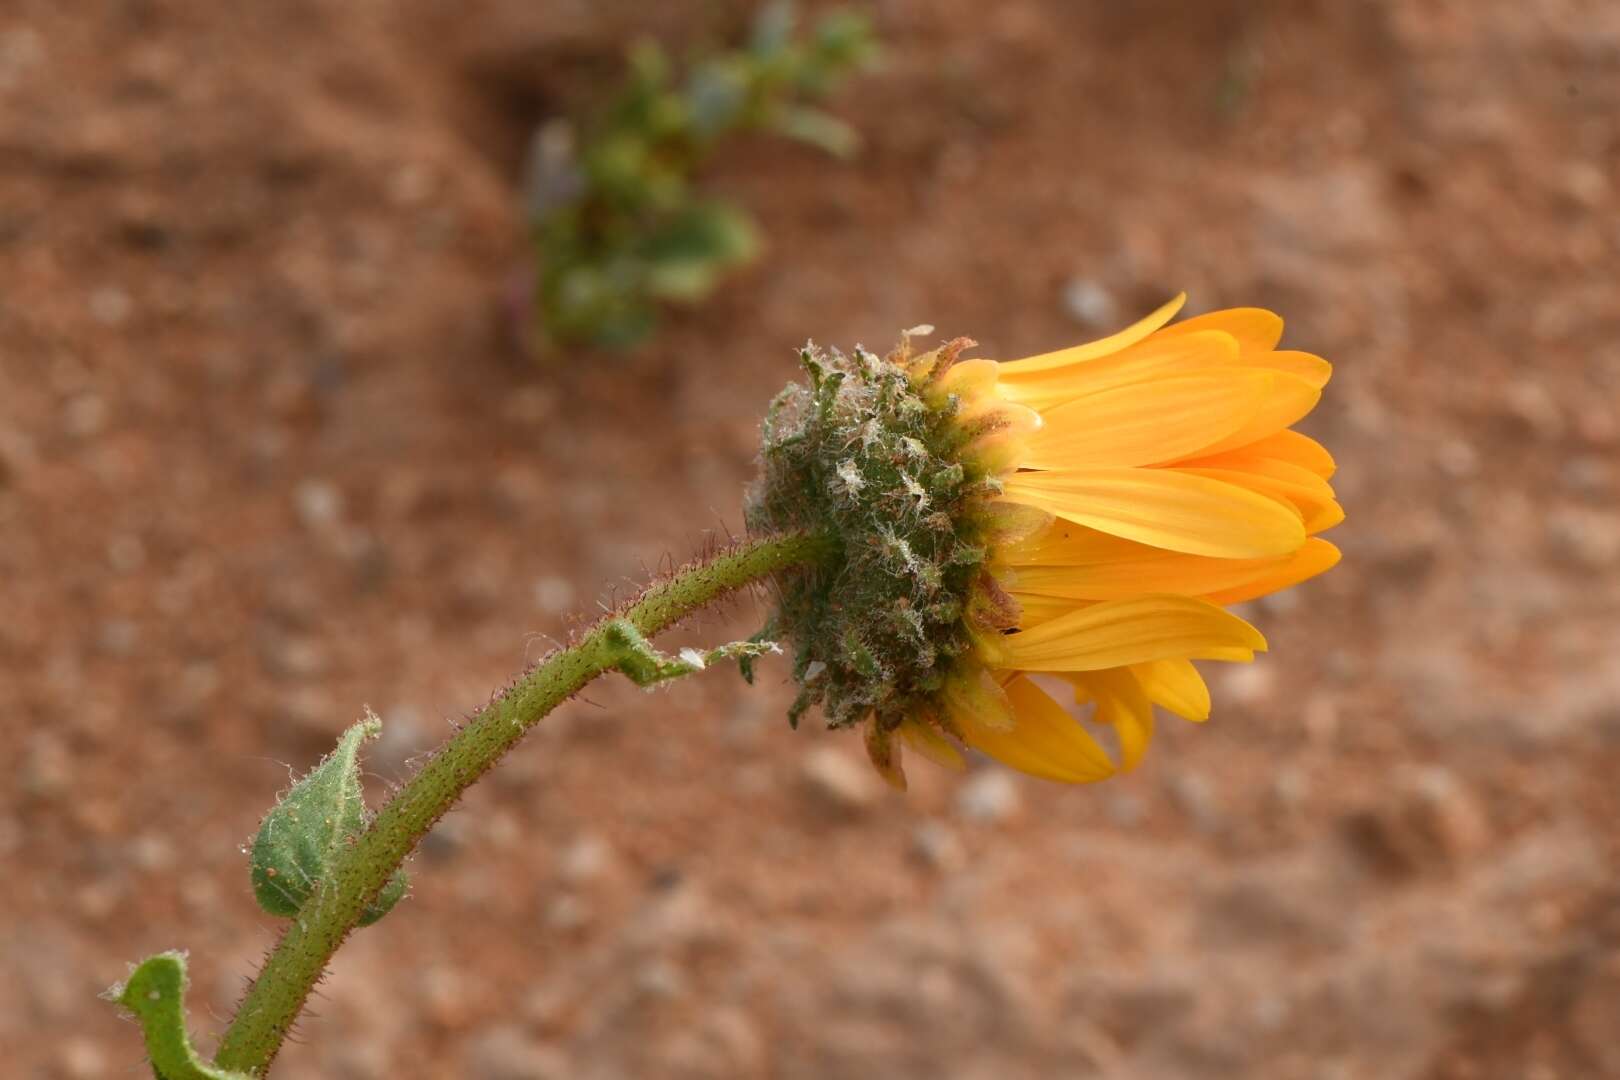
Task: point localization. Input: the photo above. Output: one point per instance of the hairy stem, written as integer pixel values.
(293, 968)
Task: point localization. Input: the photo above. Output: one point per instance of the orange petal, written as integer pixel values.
(1315, 557)
(1063, 543)
(1154, 571)
(1256, 329)
(1313, 369)
(1007, 428)
(1176, 685)
(1112, 344)
(1119, 632)
(1008, 524)
(1290, 400)
(972, 696)
(1035, 609)
(1148, 422)
(1166, 508)
(970, 378)
(1300, 488)
(1146, 360)
(1286, 445)
(1046, 741)
(1122, 704)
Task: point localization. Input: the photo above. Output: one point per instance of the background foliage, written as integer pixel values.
(621, 222)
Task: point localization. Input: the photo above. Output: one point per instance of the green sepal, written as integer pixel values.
(156, 993)
(303, 835)
(859, 453)
(764, 636)
(801, 705)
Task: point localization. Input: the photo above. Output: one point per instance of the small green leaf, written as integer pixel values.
(683, 280)
(156, 993)
(773, 26)
(302, 836)
(845, 40)
(817, 128)
(392, 893)
(645, 666)
(687, 257)
(717, 93)
(762, 637)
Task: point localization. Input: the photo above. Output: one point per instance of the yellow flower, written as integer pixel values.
(1146, 480)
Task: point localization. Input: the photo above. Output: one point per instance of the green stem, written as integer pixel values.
(292, 970)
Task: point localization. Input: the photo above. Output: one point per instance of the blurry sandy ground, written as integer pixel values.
(266, 455)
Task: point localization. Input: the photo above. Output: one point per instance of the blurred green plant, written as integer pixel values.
(620, 226)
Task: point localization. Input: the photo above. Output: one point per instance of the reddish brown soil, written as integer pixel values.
(266, 455)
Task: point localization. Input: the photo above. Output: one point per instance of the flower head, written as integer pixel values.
(1083, 515)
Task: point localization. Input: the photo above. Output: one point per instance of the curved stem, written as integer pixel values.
(293, 968)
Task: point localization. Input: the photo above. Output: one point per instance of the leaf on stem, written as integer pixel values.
(302, 836)
(645, 666)
(156, 993)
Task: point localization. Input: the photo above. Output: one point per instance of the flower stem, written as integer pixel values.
(277, 996)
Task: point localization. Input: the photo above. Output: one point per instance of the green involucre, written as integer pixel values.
(860, 452)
